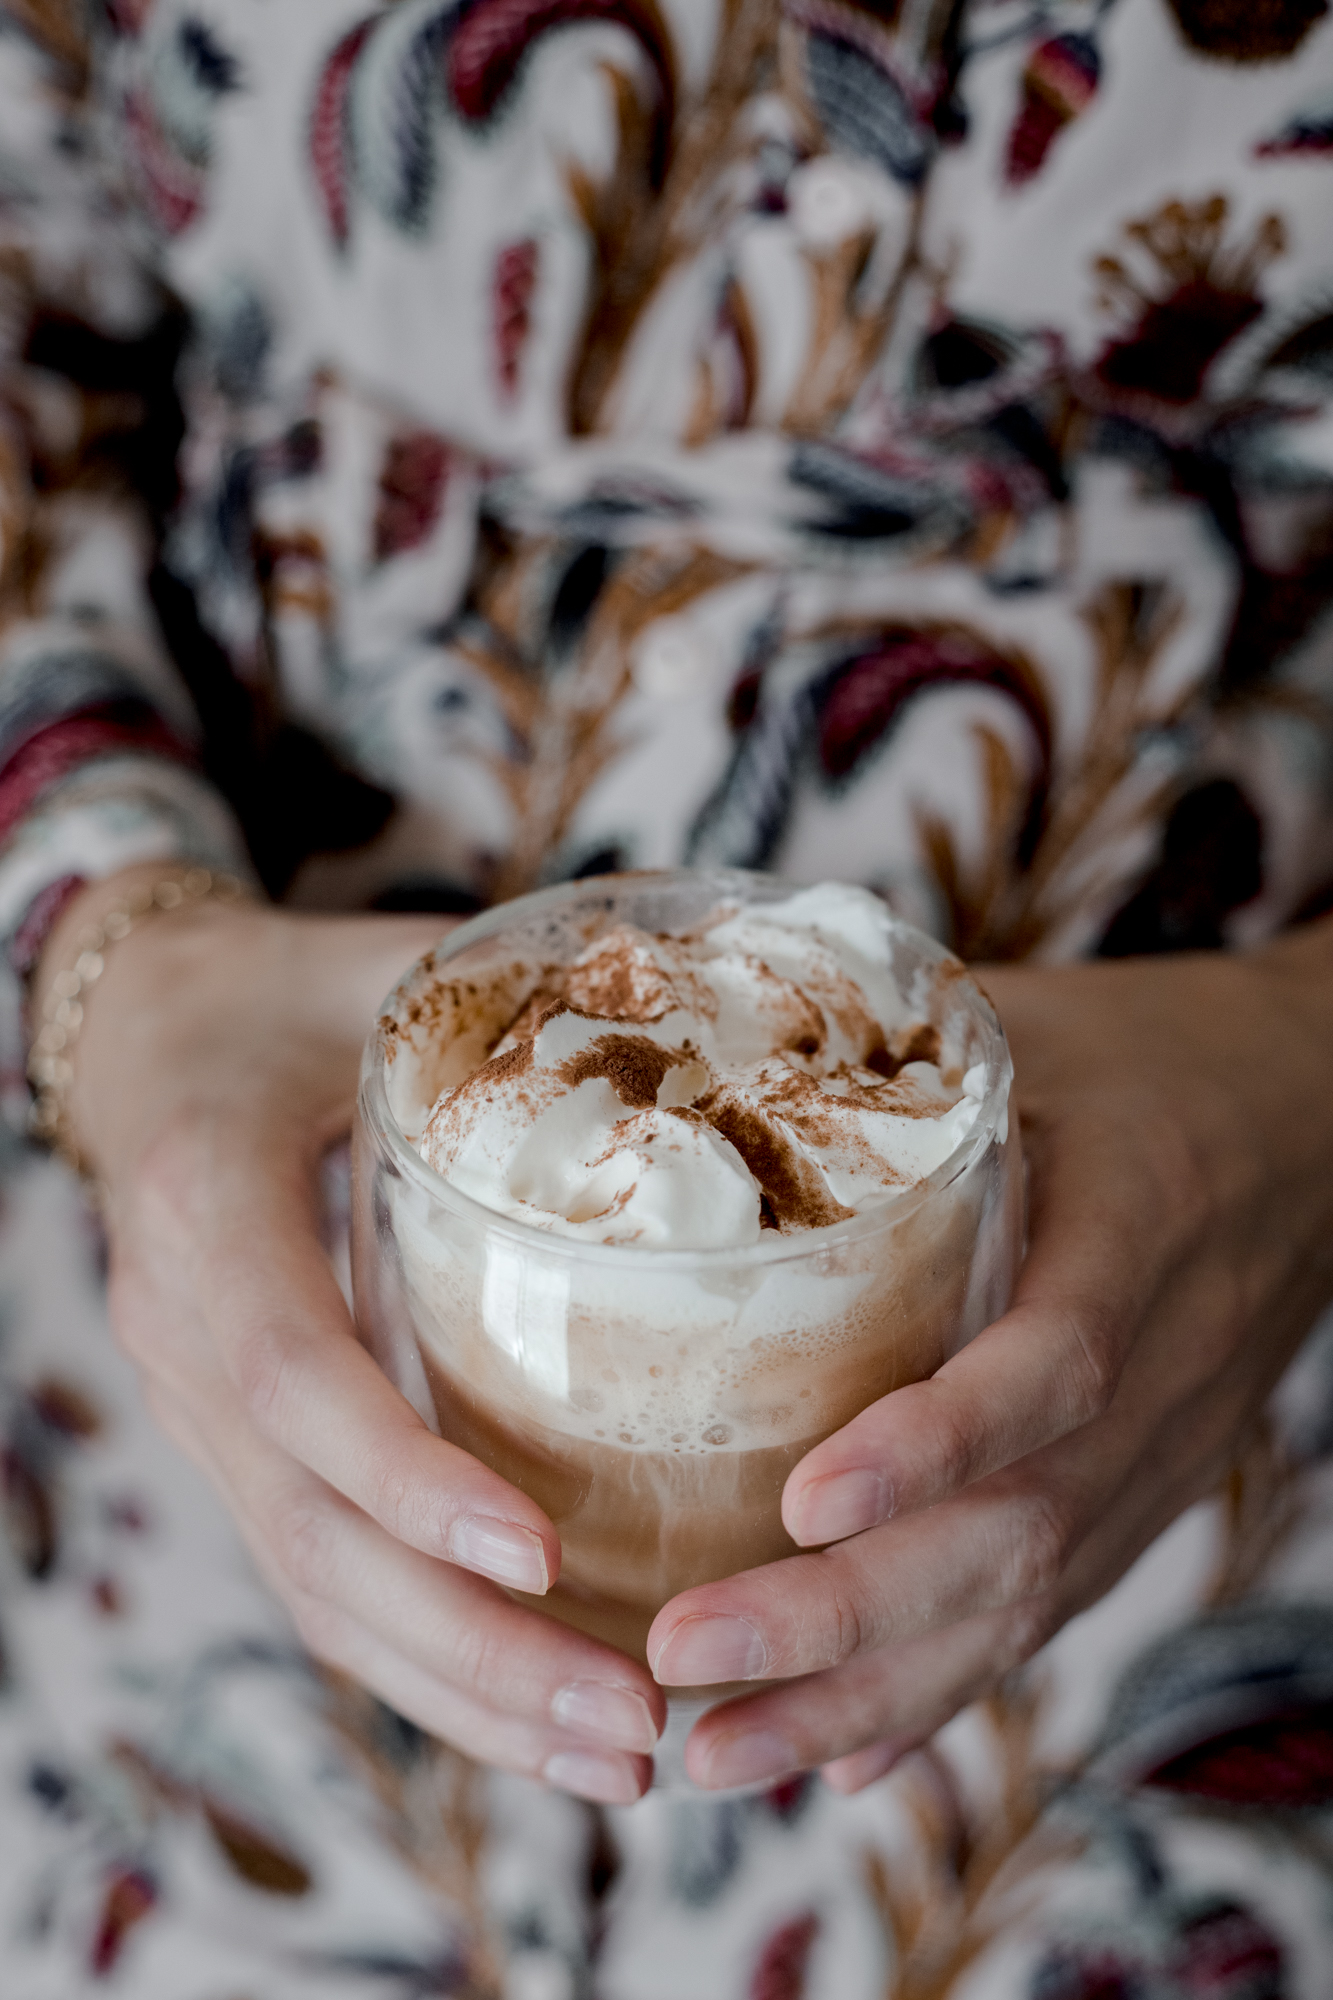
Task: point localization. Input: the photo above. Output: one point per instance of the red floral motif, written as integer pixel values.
(128, 17)
(1308, 132)
(490, 42)
(108, 730)
(27, 1508)
(328, 130)
(789, 1795)
(173, 186)
(107, 1596)
(1201, 294)
(512, 287)
(1080, 1974)
(40, 919)
(1247, 31)
(412, 484)
(1226, 1953)
(253, 1853)
(780, 1972)
(864, 696)
(64, 1408)
(131, 1894)
(1060, 80)
(1220, 1952)
(1284, 1761)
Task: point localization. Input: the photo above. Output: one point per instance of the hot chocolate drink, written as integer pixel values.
(675, 1175)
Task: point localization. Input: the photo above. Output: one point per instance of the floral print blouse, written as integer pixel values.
(456, 444)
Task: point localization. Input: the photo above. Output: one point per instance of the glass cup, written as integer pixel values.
(653, 1401)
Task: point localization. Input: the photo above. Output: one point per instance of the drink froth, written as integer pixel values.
(732, 1167)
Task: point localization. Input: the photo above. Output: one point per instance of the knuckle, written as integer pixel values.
(1174, 1165)
(1093, 1349)
(479, 1659)
(1026, 1631)
(393, 1500)
(319, 1627)
(953, 1446)
(840, 1624)
(301, 1541)
(170, 1170)
(259, 1371)
(1038, 1540)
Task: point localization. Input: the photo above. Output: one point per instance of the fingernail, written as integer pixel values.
(498, 1549)
(609, 1780)
(846, 1503)
(745, 1760)
(852, 1774)
(703, 1650)
(613, 1713)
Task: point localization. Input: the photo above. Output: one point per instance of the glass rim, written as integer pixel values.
(376, 1113)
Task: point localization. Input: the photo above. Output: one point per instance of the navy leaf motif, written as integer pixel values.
(741, 824)
(1236, 1706)
(1220, 1950)
(394, 99)
(843, 714)
(863, 109)
(705, 1849)
(1308, 131)
(1308, 349)
(213, 68)
(866, 502)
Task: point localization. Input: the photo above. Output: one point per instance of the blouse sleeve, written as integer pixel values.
(100, 752)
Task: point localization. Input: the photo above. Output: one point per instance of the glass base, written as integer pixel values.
(669, 1757)
(669, 1774)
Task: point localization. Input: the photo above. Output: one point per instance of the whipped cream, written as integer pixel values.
(764, 1072)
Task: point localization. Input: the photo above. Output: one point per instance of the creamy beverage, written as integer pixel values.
(683, 1180)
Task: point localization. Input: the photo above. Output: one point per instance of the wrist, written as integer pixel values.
(100, 919)
(85, 911)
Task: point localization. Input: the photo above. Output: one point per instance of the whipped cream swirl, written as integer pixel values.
(763, 1072)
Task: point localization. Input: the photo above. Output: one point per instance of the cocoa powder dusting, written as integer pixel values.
(613, 991)
(631, 1064)
(618, 981)
(513, 1062)
(795, 1192)
(919, 1043)
(539, 1005)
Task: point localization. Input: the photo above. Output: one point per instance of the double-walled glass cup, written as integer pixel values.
(653, 1401)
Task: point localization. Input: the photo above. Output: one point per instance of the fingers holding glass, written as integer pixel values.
(1049, 1366)
(247, 1268)
(433, 1631)
(861, 1717)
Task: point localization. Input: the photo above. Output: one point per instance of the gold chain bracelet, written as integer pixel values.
(50, 1067)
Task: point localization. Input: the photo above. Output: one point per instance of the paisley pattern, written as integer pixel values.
(1059, 81)
(445, 447)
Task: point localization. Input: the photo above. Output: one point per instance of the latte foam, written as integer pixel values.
(763, 1072)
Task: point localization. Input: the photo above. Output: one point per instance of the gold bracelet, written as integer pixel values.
(50, 1068)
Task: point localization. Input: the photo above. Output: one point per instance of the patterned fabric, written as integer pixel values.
(188, 1810)
(879, 440)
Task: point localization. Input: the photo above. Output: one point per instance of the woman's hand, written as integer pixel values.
(1177, 1116)
(217, 1061)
